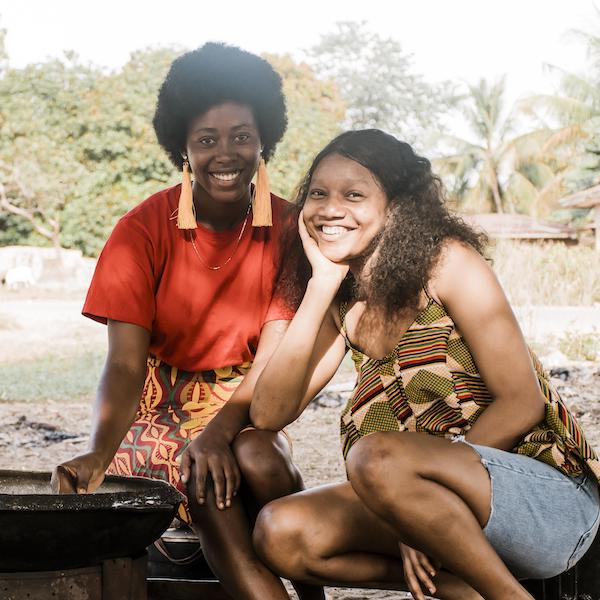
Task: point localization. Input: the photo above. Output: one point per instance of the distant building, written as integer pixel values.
(589, 198)
(520, 227)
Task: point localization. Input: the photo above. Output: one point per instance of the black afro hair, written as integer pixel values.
(208, 76)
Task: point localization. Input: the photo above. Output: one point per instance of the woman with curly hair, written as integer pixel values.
(185, 284)
(466, 471)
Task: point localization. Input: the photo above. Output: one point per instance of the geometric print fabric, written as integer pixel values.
(430, 383)
(175, 407)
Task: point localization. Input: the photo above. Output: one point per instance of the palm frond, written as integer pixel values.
(562, 137)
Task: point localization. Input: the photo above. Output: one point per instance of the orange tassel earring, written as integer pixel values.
(186, 212)
(261, 202)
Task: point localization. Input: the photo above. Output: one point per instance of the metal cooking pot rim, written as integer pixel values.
(116, 493)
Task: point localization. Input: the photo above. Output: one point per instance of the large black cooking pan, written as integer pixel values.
(42, 531)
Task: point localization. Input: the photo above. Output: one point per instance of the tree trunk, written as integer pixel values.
(496, 192)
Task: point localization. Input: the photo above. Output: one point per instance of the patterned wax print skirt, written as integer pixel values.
(176, 406)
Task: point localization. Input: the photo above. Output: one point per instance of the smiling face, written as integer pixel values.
(223, 148)
(345, 209)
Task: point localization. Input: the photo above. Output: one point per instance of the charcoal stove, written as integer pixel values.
(79, 546)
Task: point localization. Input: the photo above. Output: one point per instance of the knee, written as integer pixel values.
(263, 459)
(279, 538)
(379, 460)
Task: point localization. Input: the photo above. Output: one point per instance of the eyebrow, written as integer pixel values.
(214, 130)
(347, 182)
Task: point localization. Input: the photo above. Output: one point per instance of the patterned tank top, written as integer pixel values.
(429, 382)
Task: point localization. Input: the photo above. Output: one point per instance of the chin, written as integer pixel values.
(229, 196)
(340, 258)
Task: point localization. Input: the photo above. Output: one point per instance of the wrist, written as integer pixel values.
(226, 425)
(325, 285)
(216, 435)
(102, 457)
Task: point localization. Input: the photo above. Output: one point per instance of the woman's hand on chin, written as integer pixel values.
(323, 269)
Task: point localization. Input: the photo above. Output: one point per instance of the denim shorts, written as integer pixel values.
(541, 521)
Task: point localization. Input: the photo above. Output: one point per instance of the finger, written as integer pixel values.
(81, 477)
(426, 564)
(95, 482)
(184, 467)
(423, 576)
(200, 472)
(218, 478)
(62, 482)
(302, 227)
(411, 579)
(303, 231)
(237, 480)
(230, 483)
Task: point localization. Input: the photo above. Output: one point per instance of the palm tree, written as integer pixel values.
(497, 169)
(574, 113)
(474, 165)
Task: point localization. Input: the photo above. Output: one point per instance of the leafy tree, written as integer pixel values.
(118, 147)
(315, 113)
(379, 86)
(572, 118)
(497, 170)
(78, 147)
(39, 120)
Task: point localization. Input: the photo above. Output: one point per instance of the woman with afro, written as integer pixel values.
(185, 284)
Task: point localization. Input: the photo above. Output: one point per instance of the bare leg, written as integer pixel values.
(436, 496)
(268, 472)
(225, 536)
(327, 535)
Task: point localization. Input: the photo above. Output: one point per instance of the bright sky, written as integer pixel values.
(449, 39)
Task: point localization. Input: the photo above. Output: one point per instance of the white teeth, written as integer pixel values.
(333, 230)
(226, 176)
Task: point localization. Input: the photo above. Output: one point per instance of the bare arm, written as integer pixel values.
(311, 350)
(210, 453)
(117, 400)
(466, 285)
(306, 359)
(234, 416)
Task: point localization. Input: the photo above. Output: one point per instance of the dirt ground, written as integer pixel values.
(38, 435)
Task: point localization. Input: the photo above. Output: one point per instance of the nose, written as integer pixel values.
(332, 208)
(225, 150)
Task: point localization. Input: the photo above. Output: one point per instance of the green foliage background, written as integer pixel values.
(77, 148)
(77, 143)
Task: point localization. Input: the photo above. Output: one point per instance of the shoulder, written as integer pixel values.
(153, 215)
(155, 206)
(282, 210)
(458, 265)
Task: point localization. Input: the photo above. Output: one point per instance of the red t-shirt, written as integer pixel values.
(149, 274)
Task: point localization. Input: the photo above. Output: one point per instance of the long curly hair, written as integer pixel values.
(208, 76)
(408, 247)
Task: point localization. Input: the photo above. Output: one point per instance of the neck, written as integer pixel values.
(219, 216)
(359, 266)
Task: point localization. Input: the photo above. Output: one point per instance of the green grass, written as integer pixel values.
(71, 378)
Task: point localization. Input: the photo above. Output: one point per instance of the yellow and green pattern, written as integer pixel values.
(176, 406)
(429, 382)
